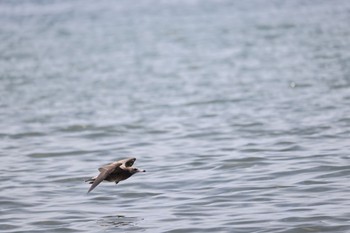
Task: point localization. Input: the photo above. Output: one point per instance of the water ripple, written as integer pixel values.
(237, 110)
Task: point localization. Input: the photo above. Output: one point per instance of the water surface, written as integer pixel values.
(239, 112)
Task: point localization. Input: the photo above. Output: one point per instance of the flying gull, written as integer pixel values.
(114, 172)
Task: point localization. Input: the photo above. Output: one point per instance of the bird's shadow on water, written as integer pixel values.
(119, 221)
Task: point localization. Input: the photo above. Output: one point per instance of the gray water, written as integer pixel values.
(238, 110)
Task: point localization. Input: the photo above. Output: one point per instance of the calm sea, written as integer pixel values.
(238, 110)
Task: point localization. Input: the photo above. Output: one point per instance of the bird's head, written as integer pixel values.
(134, 170)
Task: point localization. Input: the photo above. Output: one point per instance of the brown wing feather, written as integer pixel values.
(104, 173)
(130, 162)
(127, 162)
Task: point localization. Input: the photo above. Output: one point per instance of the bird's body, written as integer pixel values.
(114, 172)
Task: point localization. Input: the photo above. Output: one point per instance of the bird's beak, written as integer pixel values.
(142, 170)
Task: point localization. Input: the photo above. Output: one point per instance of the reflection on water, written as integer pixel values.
(119, 221)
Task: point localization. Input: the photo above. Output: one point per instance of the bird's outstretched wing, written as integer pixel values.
(105, 171)
(127, 162)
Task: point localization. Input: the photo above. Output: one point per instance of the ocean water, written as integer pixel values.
(238, 110)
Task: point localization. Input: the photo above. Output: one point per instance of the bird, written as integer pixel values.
(114, 172)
